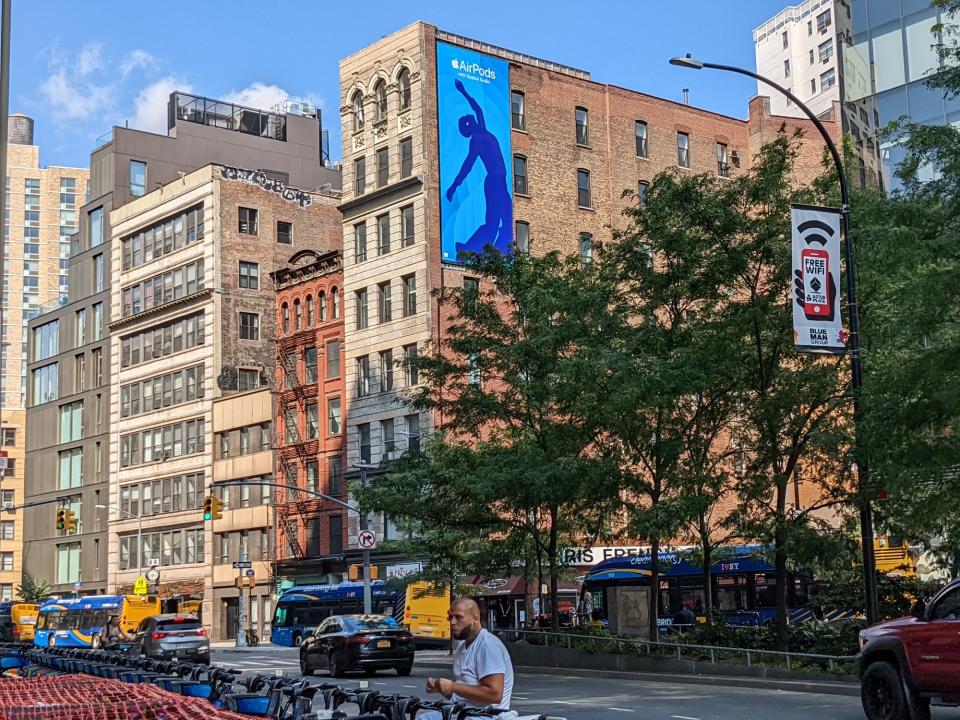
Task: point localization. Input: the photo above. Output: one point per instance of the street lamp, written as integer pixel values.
(863, 474)
(139, 519)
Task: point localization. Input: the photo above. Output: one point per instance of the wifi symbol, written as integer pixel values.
(814, 237)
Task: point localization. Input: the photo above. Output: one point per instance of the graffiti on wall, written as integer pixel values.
(260, 179)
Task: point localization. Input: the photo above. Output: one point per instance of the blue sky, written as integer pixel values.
(78, 68)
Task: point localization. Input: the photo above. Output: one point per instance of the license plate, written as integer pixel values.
(383, 643)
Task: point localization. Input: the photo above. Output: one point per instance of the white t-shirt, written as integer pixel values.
(485, 656)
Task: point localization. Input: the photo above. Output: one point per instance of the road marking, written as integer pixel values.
(408, 686)
(684, 717)
(621, 709)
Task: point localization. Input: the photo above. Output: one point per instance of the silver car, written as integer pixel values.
(172, 637)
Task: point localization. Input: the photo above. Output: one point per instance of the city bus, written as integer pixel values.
(418, 606)
(17, 621)
(76, 622)
(743, 585)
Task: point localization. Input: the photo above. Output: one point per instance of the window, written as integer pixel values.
(96, 227)
(586, 249)
(521, 237)
(68, 563)
(813, 86)
(71, 421)
(334, 476)
(360, 242)
(45, 383)
(336, 534)
(723, 165)
(383, 167)
(138, 178)
(384, 302)
(248, 221)
(363, 376)
(6, 561)
(313, 475)
(309, 310)
(297, 314)
(363, 435)
(473, 370)
(160, 443)
(642, 188)
(383, 234)
(162, 237)
(583, 135)
(80, 327)
(162, 340)
(285, 317)
(811, 56)
(284, 232)
(786, 68)
(247, 379)
(360, 175)
(380, 93)
(825, 50)
(406, 157)
(786, 41)
(162, 288)
(409, 361)
(335, 303)
(828, 79)
(823, 21)
(471, 292)
(6, 529)
(11, 469)
(520, 175)
(363, 318)
(249, 275)
(249, 326)
(412, 423)
(403, 86)
(517, 111)
(46, 340)
(333, 416)
(640, 130)
(387, 437)
(809, 27)
(313, 421)
(683, 149)
(333, 359)
(98, 273)
(386, 370)
(70, 473)
(357, 111)
(8, 437)
(310, 364)
(292, 435)
(79, 372)
(409, 295)
(583, 188)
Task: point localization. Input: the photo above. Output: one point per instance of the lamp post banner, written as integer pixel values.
(815, 280)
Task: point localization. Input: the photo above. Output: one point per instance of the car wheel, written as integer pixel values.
(51, 640)
(404, 670)
(297, 639)
(336, 669)
(305, 669)
(882, 693)
(95, 642)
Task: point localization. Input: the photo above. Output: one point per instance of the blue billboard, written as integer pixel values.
(476, 179)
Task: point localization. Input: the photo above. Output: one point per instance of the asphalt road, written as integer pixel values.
(597, 698)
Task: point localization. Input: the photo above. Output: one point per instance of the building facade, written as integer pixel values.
(192, 321)
(311, 405)
(75, 377)
(576, 146)
(41, 214)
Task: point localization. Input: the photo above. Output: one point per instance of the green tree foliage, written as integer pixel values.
(33, 590)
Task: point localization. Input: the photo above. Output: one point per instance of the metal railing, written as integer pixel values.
(664, 647)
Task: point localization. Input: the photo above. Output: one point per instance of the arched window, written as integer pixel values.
(358, 110)
(285, 317)
(403, 81)
(309, 310)
(336, 303)
(322, 301)
(297, 314)
(380, 93)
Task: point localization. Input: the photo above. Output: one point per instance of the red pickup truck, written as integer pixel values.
(905, 664)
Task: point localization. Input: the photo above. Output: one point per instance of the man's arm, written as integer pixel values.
(474, 105)
(468, 162)
(488, 692)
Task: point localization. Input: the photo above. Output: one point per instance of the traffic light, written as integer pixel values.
(212, 508)
(355, 572)
(61, 519)
(69, 521)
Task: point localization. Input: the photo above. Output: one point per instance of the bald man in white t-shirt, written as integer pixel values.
(482, 671)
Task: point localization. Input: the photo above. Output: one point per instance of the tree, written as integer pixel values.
(33, 590)
(511, 385)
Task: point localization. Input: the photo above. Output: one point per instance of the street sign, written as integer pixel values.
(815, 280)
(367, 540)
(242, 565)
(153, 575)
(153, 562)
(140, 586)
(77, 585)
(251, 572)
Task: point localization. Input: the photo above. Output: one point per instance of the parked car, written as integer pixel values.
(167, 637)
(904, 664)
(357, 642)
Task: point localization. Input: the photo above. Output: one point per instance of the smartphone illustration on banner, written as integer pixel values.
(816, 290)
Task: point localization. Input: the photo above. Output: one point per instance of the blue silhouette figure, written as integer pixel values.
(495, 229)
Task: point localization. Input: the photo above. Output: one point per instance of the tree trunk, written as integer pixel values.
(707, 577)
(552, 562)
(654, 588)
(780, 562)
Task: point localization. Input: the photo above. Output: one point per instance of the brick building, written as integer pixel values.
(192, 321)
(577, 145)
(310, 408)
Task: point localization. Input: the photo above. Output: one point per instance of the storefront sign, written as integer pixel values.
(598, 553)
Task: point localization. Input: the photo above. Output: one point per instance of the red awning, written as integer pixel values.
(499, 587)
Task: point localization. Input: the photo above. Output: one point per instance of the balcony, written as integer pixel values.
(51, 305)
(204, 111)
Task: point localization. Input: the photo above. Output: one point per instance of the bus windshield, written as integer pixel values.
(280, 616)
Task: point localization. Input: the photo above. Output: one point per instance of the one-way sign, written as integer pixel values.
(242, 565)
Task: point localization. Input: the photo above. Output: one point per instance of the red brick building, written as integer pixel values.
(310, 408)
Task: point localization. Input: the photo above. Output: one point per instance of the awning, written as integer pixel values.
(499, 587)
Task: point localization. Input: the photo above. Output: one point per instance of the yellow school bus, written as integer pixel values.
(894, 557)
(18, 621)
(425, 611)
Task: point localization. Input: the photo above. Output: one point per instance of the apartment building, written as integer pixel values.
(311, 404)
(192, 321)
(571, 146)
(71, 375)
(41, 214)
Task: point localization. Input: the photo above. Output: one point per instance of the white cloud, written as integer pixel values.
(90, 58)
(264, 97)
(150, 105)
(76, 99)
(136, 59)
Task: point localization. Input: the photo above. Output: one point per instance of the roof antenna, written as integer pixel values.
(686, 96)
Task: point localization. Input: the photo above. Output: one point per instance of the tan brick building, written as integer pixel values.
(567, 130)
(42, 205)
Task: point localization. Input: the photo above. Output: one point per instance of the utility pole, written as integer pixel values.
(367, 589)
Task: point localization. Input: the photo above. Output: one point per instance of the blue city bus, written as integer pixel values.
(743, 585)
(77, 622)
(301, 608)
